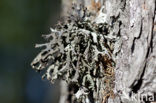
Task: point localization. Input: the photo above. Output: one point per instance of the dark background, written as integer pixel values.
(22, 22)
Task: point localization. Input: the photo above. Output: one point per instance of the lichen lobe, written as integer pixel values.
(80, 51)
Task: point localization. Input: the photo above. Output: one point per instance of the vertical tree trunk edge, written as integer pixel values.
(135, 73)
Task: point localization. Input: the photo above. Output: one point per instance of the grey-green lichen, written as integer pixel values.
(80, 50)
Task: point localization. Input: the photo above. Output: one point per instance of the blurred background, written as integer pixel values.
(22, 22)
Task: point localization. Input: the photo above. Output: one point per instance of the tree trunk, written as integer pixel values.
(135, 72)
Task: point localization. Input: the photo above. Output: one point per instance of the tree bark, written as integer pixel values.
(135, 72)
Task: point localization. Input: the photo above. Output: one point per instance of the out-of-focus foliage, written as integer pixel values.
(21, 24)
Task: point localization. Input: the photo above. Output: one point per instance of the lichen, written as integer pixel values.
(81, 51)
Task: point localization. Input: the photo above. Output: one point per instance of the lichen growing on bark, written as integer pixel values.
(80, 50)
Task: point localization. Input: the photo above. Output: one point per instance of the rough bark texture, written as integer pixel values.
(136, 62)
